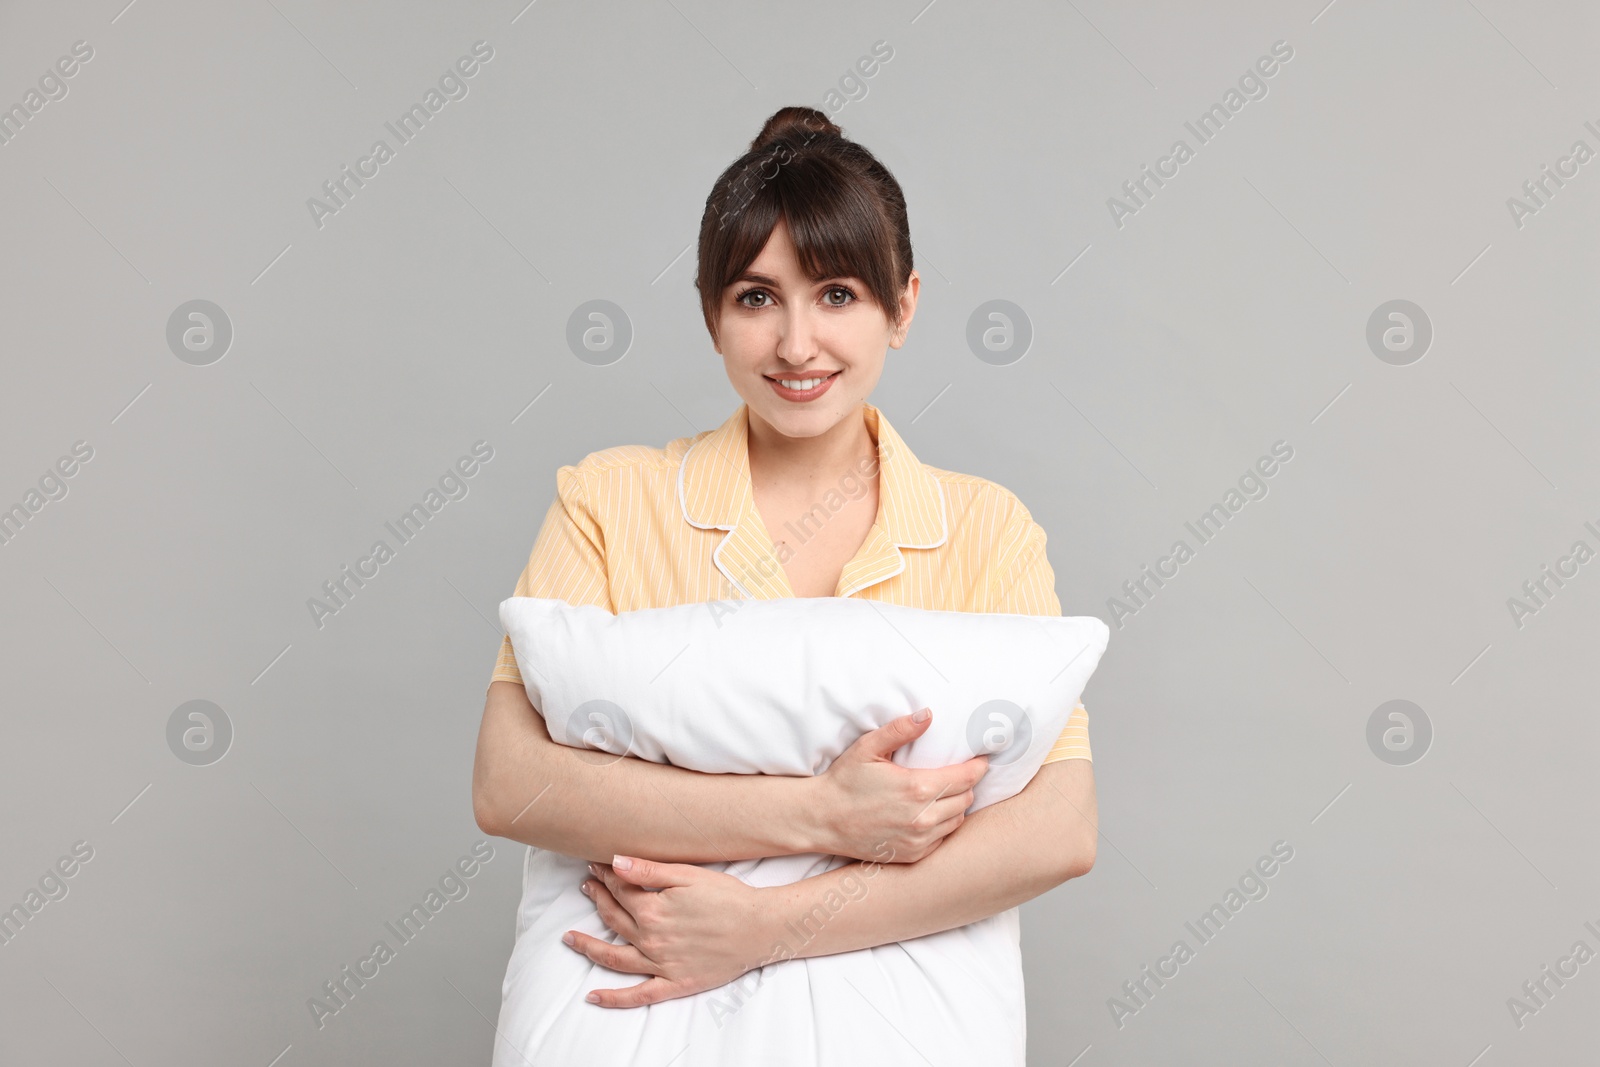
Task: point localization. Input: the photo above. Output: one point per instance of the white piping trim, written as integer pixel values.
(944, 520)
(683, 505)
(944, 535)
(716, 553)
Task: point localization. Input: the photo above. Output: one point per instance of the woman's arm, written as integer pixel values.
(1007, 853)
(591, 805)
(702, 930)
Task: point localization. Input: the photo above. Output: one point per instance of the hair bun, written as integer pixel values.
(798, 124)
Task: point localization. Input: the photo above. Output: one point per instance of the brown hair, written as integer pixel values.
(844, 210)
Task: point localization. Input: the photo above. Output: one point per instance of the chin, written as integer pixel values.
(809, 422)
(797, 424)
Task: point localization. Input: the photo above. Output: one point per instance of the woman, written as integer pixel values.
(805, 279)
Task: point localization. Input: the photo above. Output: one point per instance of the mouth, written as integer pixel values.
(800, 390)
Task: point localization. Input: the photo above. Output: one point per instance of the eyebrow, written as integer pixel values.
(762, 279)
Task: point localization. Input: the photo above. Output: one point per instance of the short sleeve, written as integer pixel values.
(1074, 740)
(568, 561)
(1025, 584)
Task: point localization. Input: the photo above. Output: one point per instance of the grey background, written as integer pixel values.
(369, 354)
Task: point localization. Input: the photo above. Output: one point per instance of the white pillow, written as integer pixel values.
(783, 687)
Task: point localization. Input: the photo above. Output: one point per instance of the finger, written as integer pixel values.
(973, 769)
(954, 780)
(945, 788)
(626, 893)
(612, 913)
(895, 733)
(643, 872)
(959, 777)
(947, 807)
(945, 828)
(649, 991)
(624, 959)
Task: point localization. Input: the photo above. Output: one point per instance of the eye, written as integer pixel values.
(752, 291)
(846, 290)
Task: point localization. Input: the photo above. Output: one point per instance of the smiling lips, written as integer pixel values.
(801, 390)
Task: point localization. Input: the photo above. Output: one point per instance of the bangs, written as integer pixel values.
(836, 221)
(836, 231)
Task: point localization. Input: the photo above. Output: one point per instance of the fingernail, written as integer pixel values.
(622, 863)
(594, 869)
(593, 998)
(586, 890)
(921, 716)
(569, 938)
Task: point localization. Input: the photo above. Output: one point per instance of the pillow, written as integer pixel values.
(783, 687)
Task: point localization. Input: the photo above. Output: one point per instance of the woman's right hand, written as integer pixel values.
(873, 809)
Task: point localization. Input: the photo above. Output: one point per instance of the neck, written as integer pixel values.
(817, 458)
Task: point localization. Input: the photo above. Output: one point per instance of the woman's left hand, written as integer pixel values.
(701, 930)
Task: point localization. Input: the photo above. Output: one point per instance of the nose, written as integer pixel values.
(797, 337)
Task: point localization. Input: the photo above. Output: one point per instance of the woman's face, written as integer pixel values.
(827, 339)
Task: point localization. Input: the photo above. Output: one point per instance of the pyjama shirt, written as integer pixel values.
(640, 527)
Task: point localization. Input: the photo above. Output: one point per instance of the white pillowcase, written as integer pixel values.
(784, 687)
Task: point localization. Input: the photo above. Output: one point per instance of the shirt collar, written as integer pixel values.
(714, 493)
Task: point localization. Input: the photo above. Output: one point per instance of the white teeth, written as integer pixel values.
(800, 384)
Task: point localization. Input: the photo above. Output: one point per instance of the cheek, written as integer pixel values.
(861, 340)
(741, 344)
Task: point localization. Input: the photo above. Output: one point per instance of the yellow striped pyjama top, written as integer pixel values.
(638, 527)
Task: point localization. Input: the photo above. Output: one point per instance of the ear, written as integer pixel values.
(908, 308)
